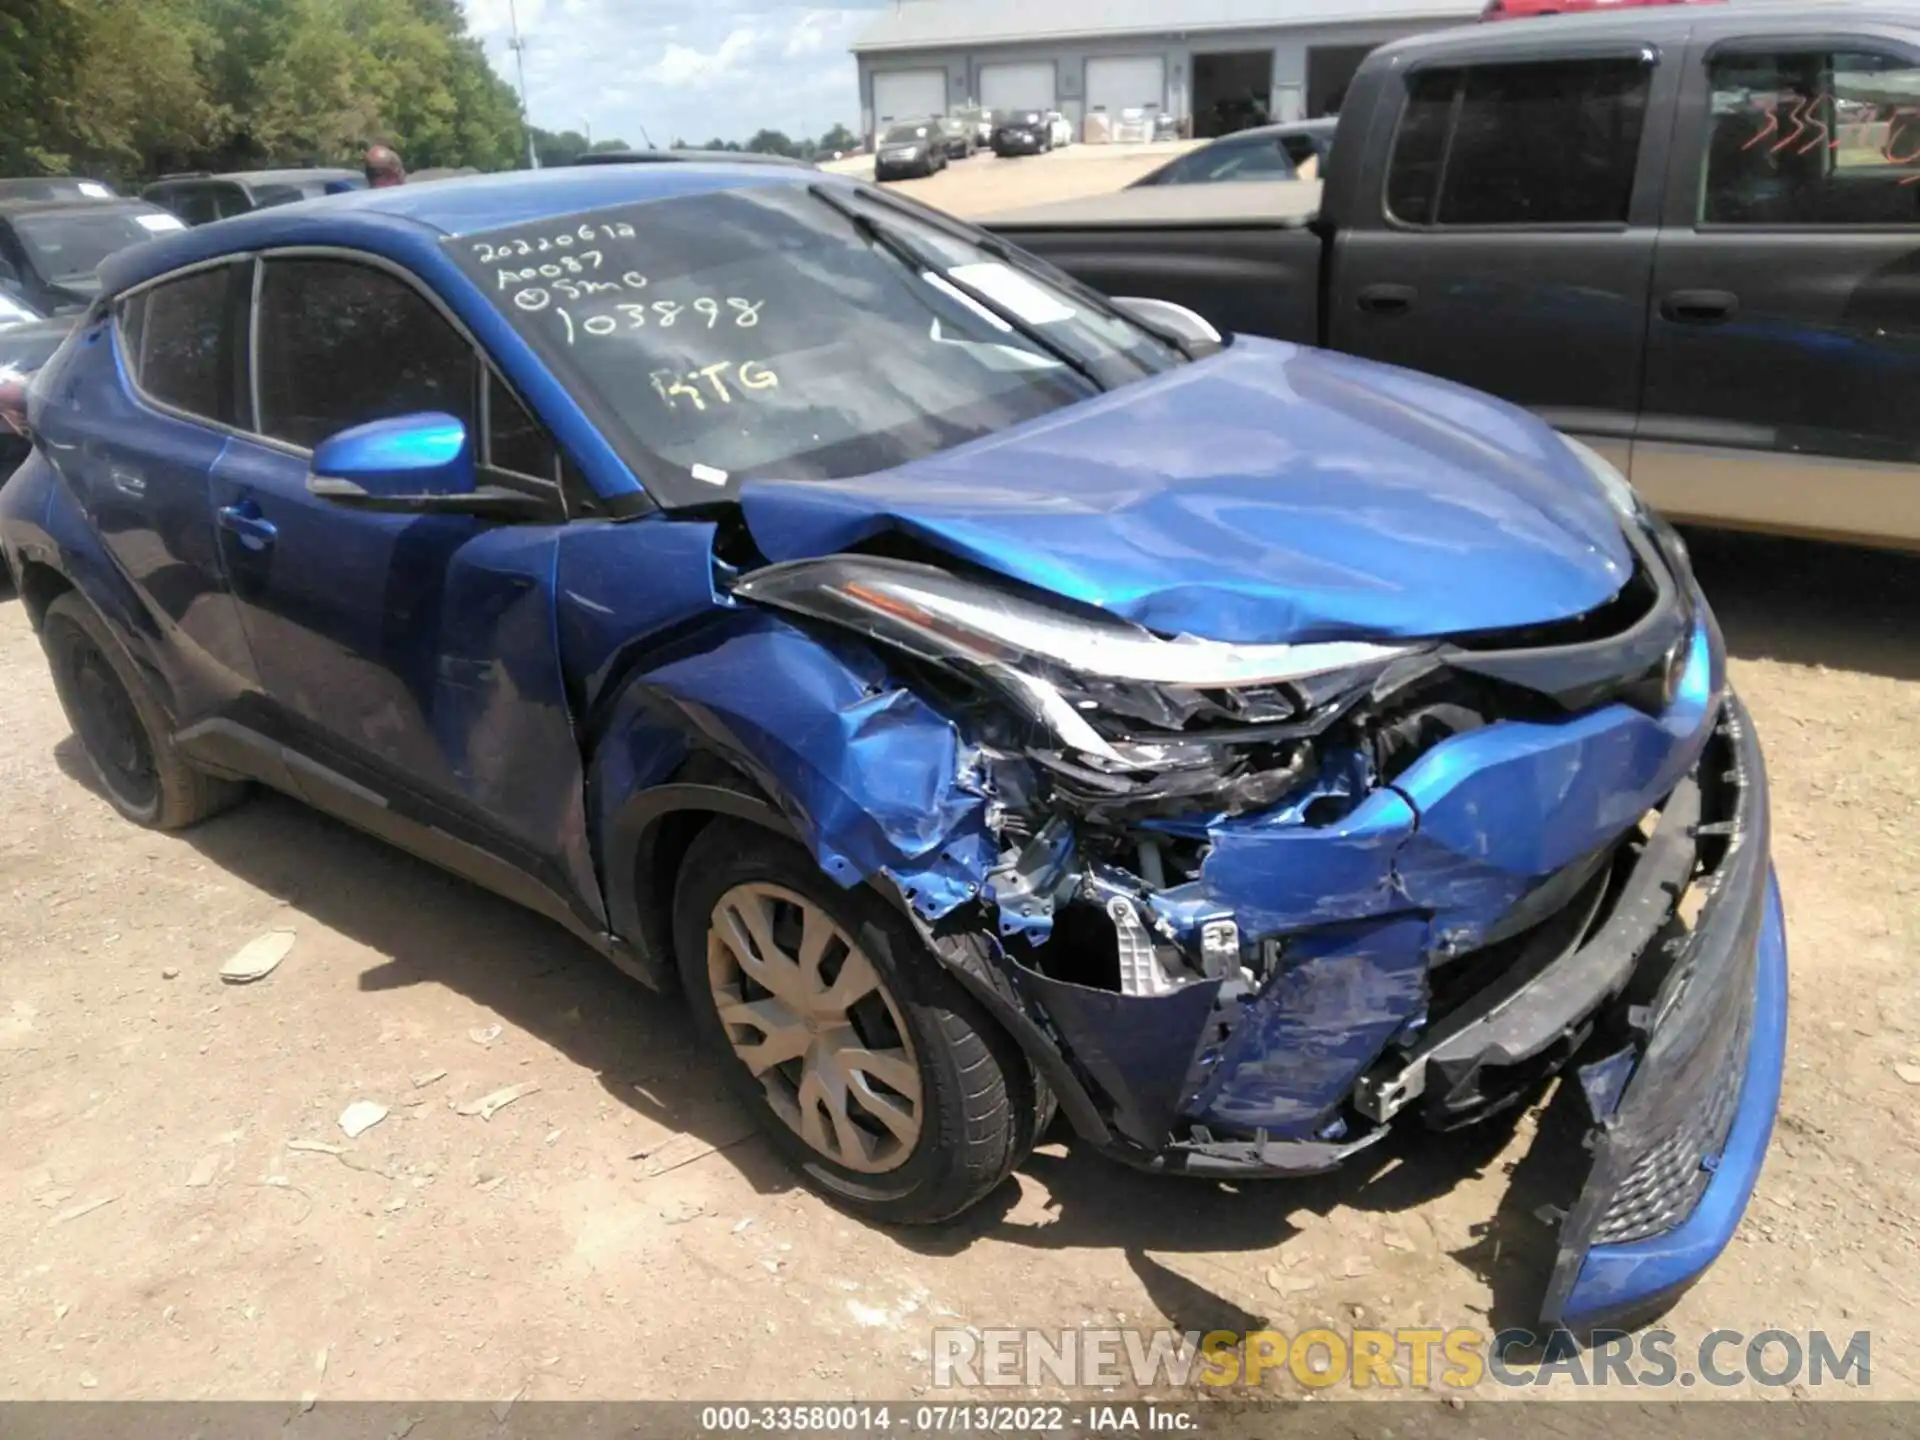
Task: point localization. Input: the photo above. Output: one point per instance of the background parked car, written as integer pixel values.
(914, 148)
(1021, 132)
(957, 135)
(982, 122)
(1297, 151)
(49, 248)
(200, 197)
(27, 340)
(55, 187)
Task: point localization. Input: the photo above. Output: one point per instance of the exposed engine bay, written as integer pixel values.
(1287, 868)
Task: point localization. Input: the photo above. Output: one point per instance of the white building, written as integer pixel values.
(930, 57)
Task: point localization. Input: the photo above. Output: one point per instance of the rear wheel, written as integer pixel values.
(121, 727)
(868, 1065)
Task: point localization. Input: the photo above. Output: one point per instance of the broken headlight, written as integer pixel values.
(1093, 681)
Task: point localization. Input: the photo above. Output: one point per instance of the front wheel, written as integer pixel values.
(868, 1065)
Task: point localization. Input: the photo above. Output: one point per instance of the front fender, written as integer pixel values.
(872, 779)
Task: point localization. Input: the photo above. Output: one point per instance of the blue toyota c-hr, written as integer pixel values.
(979, 697)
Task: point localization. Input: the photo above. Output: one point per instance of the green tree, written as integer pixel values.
(771, 142)
(40, 47)
(838, 138)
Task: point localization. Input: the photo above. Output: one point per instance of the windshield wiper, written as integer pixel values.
(909, 254)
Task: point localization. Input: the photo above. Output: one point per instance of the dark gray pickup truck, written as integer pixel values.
(1689, 236)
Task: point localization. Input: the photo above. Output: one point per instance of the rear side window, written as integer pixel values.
(175, 340)
(1813, 138)
(1550, 143)
(340, 344)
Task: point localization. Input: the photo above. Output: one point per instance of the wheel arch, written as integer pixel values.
(646, 842)
(39, 585)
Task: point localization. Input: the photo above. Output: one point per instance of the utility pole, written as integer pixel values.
(519, 48)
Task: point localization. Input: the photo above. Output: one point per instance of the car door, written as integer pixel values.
(1521, 195)
(408, 662)
(1784, 342)
(144, 471)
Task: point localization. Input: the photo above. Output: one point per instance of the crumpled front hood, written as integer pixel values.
(1268, 493)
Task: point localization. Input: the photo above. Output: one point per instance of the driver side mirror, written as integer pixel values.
(418, 464)
(1192, 329)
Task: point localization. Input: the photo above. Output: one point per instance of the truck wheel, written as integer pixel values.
(121, 727)
(868, 1065)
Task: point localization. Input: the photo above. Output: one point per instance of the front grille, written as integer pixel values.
(1667, 1181)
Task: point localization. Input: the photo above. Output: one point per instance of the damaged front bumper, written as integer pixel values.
(1661, 955)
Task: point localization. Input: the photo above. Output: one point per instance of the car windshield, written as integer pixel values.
(904, 134)
(70, 244)
(55, 187)
(1019, 117)
(797, 333)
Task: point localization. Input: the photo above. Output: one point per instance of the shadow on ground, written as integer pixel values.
(1809, 604)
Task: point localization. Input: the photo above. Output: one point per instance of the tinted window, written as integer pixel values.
(758, 332)
(175, 340)
(519, 442)
(341, 344)
(1813, 139)
(904, 134)
(1533, 144)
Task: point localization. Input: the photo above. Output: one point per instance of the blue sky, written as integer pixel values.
(696, 70)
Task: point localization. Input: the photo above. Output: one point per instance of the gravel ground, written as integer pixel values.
(619, 1231)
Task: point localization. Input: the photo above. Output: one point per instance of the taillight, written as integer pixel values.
(13, 399)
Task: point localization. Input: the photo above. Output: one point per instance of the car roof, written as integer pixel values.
(11, 208)
(292, 175)
(650, 157)
(467, 205)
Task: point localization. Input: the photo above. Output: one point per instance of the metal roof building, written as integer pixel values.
(1200, 60)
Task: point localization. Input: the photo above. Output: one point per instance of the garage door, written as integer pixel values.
(1126, 82)
(908, 95)
(1027, 85)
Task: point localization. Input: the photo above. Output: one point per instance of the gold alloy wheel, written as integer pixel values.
(807, 1014)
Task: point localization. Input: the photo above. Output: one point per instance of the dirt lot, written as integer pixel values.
(619, 1232)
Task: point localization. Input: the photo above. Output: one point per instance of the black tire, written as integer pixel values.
(981, 1108)
(122, 728)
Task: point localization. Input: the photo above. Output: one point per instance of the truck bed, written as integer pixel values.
(1242, 255)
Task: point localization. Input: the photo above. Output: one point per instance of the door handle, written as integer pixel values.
(1385, 299)
(1700, 307)
(256, 532)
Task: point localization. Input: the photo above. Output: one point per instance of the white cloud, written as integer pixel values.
(682, 67)
(639, 68)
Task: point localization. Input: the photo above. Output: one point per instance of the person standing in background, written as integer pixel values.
(384, 168)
